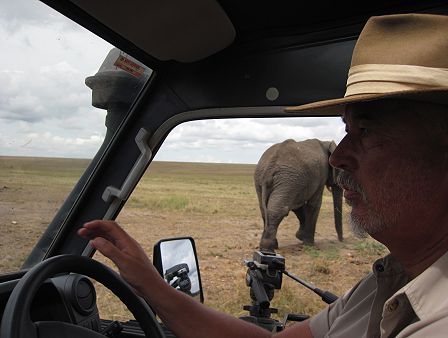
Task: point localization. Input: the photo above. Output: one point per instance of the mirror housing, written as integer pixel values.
(177, 262)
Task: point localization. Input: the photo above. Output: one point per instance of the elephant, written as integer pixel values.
(291, 176)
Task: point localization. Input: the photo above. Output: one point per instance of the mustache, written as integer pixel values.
(346, 181)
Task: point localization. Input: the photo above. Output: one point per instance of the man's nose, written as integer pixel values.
(343, 157)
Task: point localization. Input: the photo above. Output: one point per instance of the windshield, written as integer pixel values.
(60, 104)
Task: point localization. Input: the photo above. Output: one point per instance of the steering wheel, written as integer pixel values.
(16, 321)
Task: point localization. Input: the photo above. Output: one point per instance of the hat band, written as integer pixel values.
(386, 78)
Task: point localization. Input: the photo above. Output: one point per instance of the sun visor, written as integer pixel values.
(179, 30)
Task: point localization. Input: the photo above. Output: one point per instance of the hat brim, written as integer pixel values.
(336, 107)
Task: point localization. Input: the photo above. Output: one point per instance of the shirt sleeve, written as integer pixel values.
(320, 324)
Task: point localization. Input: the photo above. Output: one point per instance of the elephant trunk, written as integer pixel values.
(337, 208)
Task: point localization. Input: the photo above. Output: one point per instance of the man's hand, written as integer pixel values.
(113, 242)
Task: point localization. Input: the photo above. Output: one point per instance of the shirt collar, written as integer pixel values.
(387, 266)
(425, 292)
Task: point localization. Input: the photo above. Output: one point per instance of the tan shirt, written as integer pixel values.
(385, 304)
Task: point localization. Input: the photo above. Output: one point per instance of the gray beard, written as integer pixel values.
(362, 227)
(367, 225)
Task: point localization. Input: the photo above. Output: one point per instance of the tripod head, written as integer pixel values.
(178, 278)
(264, 275)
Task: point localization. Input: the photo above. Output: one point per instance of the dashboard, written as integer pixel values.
(68, 298)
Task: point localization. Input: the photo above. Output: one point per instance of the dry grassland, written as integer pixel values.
(214, 203)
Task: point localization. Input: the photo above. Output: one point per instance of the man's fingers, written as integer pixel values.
(85, 233)
(104, 227)
(107, 249)
(109, 230)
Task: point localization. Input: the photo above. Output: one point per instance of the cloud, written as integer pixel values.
(242, 140)
(15, 14)
(47, 139)
(42, 93)
(252, 130)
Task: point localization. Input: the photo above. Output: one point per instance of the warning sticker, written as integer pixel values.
(129, 66)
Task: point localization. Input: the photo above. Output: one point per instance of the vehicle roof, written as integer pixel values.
(254, 22)
(230, 53)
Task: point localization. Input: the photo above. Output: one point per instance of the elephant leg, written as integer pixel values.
(300, 213)
(273, 217)
(269, 239)
(311, 211)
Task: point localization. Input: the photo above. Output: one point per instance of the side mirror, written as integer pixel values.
(177, 262)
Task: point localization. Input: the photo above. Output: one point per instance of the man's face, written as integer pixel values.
(389, 170)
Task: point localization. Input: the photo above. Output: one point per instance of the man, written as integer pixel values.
(394, 160)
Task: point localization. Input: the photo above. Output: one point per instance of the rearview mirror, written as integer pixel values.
(177, 262)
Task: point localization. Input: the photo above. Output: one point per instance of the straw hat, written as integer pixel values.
(396, 56)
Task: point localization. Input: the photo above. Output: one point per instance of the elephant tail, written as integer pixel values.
(266, 188)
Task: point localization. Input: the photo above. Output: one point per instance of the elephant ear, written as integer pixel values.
(331, 170)
(331, 147)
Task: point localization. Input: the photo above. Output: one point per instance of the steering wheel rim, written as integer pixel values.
(16, 321)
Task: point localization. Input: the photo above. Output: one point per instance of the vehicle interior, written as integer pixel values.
(163, 64)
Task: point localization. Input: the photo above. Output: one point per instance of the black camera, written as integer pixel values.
(271, 267)
(178, 278)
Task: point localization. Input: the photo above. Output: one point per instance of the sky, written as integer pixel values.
(45, 105)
